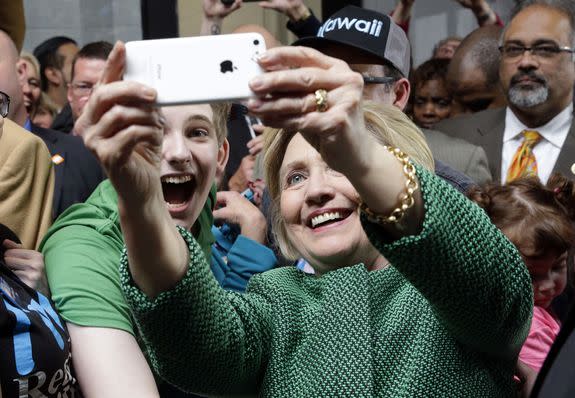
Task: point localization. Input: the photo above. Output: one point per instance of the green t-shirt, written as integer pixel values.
(82, 252)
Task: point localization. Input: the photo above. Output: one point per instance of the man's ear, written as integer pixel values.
(22, 72)
(223, 155)
(54, 76)
(69, 96)
(401, 89)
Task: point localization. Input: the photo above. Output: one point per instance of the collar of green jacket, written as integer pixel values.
(100, 211)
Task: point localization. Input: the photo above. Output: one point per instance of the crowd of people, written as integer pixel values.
(358, 227)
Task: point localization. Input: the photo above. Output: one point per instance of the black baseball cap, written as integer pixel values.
(372, 33)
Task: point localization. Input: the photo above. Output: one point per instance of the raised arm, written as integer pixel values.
(248, 254)
(402, 13)
(482, 12)
(325, 106)
(301, 21)
(217, 329)
(214, 13)
(445, 245)
(470, 273)
(125, 132)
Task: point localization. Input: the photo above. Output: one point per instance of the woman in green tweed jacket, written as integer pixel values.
(446, 319)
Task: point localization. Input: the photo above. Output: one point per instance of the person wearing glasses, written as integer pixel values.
(382, 54)
(535, 133)
(87, 67)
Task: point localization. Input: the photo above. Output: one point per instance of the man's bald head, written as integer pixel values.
(9, 77)
(473, 76)
(270, 40)
(8, 47)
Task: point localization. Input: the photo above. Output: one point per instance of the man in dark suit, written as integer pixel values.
(76, 170)
(537, 73)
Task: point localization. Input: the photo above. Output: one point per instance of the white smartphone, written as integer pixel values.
(192, 70)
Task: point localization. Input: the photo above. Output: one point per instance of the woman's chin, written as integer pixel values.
(327, 260)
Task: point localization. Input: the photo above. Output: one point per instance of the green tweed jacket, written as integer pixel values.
(446, 320)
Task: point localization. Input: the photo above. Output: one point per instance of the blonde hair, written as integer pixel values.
(26, 56)
(389, 126)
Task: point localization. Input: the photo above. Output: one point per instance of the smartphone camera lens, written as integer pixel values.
(256, 42)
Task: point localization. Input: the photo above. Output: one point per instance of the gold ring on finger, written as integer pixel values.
(320, 100)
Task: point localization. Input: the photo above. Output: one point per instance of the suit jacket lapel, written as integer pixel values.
(59, 178)
(566, 160)
(50, 138)
(492, 142)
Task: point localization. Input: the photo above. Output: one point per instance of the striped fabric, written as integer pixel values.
(524, 163)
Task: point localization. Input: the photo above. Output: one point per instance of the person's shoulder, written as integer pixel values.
(15, 136)
(464, 124)
(60, 139)
(440, 138)
(278, 281)
(76, 152)
(99, 212)
(280, 275)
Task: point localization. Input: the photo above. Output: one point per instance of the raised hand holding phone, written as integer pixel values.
(123, 128)
(199, 69)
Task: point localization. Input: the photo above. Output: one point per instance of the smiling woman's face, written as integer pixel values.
(319, 211)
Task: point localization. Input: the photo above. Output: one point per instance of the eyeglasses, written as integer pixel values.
(541, 51)
(81, 89)
(378, 80)
(4, 104)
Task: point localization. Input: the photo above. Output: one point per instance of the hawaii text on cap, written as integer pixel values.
(368, 31)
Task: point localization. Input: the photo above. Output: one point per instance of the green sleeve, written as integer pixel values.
(82, 268)
(471, 274)
(200, 337)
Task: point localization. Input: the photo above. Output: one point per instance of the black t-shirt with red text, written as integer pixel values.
(35, 359)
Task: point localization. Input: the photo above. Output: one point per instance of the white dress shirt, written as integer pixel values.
(553, 135)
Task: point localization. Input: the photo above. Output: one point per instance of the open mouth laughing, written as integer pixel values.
(178, 190)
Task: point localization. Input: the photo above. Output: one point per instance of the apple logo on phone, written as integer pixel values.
(227, 66)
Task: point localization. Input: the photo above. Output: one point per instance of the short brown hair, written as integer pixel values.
(221, 111)
(94, 50)
(538, 219)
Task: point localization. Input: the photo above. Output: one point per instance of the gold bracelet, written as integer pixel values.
(406, 199)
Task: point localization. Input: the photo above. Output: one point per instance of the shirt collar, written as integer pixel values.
(28, 125)
(553, 131)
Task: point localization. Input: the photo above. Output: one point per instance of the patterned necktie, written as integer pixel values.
(524, 163)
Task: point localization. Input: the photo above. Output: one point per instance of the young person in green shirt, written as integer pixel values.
(83, 248)
(447, 318)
